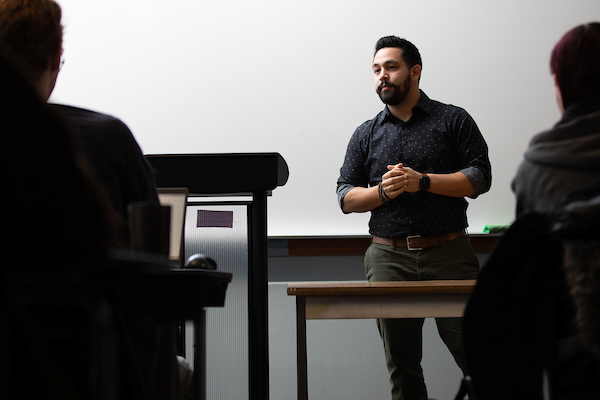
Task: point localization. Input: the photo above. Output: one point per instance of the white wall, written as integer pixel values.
(294, 77)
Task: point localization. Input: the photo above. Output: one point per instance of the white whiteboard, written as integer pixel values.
(294, 77)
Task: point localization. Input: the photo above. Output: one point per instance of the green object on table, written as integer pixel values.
(495, 228)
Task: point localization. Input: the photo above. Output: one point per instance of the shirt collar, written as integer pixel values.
(424, 104)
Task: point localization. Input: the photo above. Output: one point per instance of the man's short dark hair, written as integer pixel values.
(410, 53)
(575, 61)
(31, 29)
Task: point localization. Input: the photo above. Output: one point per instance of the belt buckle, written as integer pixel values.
(408, 243)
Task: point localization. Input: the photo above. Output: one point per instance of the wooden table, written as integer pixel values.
(364, 300)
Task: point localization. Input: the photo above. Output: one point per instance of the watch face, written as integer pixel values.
(424, 182)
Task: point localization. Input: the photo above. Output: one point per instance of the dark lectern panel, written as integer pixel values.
(220, 173)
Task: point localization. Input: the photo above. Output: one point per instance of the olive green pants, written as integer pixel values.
(402, 338)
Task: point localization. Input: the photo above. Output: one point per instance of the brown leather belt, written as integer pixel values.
(416, 242)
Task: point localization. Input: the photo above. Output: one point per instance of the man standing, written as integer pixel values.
(411, 167)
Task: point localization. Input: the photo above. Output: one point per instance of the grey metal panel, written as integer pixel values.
(227, 327)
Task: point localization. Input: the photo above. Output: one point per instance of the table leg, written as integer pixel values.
(301, 348)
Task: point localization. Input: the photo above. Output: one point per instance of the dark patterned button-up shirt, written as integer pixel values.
(438, 138)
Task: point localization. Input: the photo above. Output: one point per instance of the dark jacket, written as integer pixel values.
(116, 158)
(536, 303)
(560, 160)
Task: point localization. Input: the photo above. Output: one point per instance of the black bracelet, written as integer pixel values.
(385, 194)
(381, 193)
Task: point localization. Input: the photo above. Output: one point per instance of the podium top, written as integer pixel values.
(220, 173)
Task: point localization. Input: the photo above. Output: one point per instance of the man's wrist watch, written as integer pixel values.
(424, 182)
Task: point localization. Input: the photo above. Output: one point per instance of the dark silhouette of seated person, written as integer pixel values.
(61, 203)
(532, 324)
(56, 224)
(105, 140)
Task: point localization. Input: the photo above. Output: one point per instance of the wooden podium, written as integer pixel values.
(255, 174)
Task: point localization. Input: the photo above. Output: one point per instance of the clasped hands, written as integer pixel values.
(400, 179)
